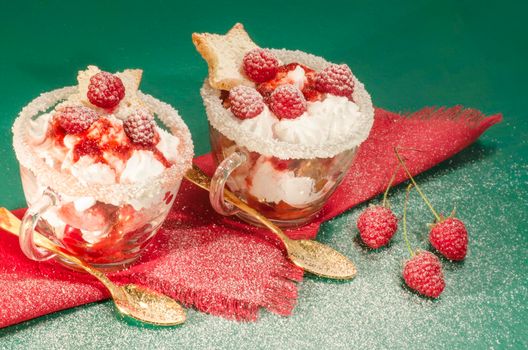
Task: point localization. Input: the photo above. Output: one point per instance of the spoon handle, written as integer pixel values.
(197, 177)
(311, 256)
(11, 224)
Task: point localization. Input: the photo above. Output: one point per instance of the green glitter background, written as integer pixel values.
(409, 54)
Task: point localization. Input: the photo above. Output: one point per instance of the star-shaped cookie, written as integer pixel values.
(131, 79)
(224, 54)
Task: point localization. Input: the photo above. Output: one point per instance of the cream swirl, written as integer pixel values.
(335, 117)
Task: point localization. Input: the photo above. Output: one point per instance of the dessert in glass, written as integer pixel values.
(101, 164)
(285, 126)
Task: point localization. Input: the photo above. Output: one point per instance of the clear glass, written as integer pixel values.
(291, 186)
(106, 225)
(106, 236)
(288, 192)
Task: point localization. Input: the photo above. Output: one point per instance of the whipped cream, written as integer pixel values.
(140, 166)
(295, 191)
(83, 203)
(87, 171)
(297, 77)
(93, 237)
(261, 125)
(168, 145)
(335, 117)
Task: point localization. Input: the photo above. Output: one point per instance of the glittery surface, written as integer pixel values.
(409, 54)
(483, 305)
(208, 262)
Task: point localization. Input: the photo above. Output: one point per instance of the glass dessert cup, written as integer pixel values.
(288, 183)
(107, 226)
(293, 192)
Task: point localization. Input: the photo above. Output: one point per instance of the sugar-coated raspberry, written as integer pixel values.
(309, 91)
(450, 238)
(245, 102)
(260, 65)
(423, 273)
(376, 225)
(287, 101)
(77, 119)
(140, 128)
(105, 90)
(336, 79)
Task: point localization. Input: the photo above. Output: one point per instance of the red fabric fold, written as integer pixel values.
(223, 267)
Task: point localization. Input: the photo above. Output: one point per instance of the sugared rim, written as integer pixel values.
(221, 119)
(116, 194)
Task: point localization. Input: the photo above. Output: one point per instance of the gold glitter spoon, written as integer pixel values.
(132, 301)
(311, 256)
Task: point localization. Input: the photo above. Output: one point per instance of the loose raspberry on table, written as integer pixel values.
(105, 90)
(245, 102)
(337, 79)
(287, 101)
(423, 273)
(140, 128)
(77, 119)
(376, 225)
(260, 65)
(450, 238)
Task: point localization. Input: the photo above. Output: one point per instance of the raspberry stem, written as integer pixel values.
(438, 218)
(384, 203)
(405, 220)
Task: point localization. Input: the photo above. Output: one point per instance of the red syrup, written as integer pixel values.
(122, 237)
(104, 137)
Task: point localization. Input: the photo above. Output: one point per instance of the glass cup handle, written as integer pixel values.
(222, 173)
(30, 221)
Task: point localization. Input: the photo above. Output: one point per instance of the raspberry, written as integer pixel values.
(245, 102)
(75, 120)
(105, 90)
(140, 128)
(267, 88)
(423, 273)
(450, 238)
(260, 65)
(309, 91)
(287, 101)
(376, 225)
(336, 80)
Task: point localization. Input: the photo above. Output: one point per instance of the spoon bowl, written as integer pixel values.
(311, 256)
(138, 302)
(320, 259)
(150, 307)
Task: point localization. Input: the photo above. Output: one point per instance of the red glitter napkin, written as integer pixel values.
(221, 266)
